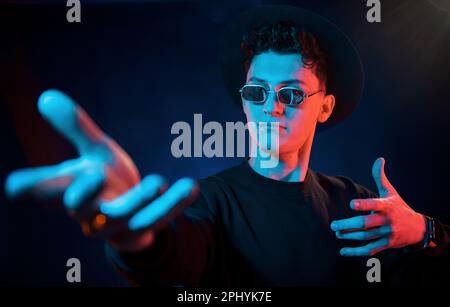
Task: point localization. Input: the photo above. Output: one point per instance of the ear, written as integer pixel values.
(326, 108)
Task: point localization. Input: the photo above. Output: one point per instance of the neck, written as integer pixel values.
(292, 166)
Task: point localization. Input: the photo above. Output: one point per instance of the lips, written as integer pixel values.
(270, 125)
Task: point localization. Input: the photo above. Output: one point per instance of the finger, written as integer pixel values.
(359, 222)
(84, 188)
(383, 184)
(70, 120)
(41, 180)
(134, 198)
(367, 250)
(183, 189)
(368, 204)
(365, 235)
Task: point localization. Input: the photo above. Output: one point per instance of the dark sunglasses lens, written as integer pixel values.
(253, 93)
(291, 96)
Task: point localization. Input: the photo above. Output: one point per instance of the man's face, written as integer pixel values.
(296, 123)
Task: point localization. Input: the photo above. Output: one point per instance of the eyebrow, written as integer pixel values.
(257, 79)
(294, 81)
(285, 82)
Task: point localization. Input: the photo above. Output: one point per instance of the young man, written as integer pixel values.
(248, 225)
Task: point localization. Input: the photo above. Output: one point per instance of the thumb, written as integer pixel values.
(70, 120)
(383, 184)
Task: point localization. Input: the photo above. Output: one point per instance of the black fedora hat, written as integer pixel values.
(344, 67)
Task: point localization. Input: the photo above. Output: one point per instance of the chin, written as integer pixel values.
(283, 148)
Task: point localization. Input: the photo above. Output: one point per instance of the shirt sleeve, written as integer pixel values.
(183, 253)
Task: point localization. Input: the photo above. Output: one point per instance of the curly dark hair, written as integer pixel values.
(285, 37)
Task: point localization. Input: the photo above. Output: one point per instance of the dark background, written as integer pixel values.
(139, 67)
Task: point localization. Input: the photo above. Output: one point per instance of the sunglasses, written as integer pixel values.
(258, 94)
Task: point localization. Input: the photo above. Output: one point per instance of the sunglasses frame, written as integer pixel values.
(266, 91)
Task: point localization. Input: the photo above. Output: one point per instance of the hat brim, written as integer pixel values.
(345, 75)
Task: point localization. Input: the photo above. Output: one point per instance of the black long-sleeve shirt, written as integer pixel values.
(248, 230)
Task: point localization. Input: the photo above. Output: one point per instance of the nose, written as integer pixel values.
(272, 106)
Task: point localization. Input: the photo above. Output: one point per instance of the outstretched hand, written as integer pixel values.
(102, 187)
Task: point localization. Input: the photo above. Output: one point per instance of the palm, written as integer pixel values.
(102, 187)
